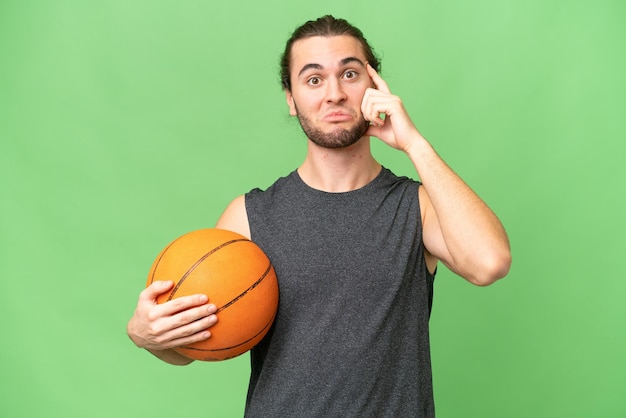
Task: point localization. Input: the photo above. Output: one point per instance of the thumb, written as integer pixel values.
(157, 288)
(374, 130)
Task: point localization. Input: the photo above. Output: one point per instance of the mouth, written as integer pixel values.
(337, 116)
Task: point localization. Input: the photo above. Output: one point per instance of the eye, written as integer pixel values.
(350, 74)
(314, 81)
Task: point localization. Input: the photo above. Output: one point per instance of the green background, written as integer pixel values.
(124, 124)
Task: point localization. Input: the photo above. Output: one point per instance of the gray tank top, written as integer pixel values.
(351, 335)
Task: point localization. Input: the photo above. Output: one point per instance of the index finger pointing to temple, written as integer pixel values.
(378, 81)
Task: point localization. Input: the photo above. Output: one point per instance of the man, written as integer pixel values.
(355, 248)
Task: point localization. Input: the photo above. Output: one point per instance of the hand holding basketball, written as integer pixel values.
(158, 327)
(239, 280)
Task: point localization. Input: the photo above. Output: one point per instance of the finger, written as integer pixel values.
(374, 131)
(181, 304)
(367, 107)
(191, 325)
(377, 79)
(187, 334)
(192, 314)
(376, 105)
(150, 293)
(168, 327)
(198, 331)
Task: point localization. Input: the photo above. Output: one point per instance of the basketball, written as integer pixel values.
(238, 278)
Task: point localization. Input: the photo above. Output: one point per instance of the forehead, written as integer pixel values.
(326, 51)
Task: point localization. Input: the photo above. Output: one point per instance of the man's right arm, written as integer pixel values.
(159, 328)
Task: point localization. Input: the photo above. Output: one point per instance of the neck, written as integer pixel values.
(338, 170)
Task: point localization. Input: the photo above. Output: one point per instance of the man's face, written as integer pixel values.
(328, 81)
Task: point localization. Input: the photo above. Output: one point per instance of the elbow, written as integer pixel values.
(493, 268)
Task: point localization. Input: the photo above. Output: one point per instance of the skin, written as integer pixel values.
(334, 90)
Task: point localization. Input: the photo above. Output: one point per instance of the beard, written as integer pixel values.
(338, 138)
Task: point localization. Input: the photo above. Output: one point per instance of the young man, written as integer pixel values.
(355, 248)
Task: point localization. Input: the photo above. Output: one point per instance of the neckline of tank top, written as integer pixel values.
(382, 173)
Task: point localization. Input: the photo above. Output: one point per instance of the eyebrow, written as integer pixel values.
(342, 63)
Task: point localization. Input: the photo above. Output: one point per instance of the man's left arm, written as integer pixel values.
(458, 227)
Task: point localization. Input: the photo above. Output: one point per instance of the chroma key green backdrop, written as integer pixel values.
(124, 124)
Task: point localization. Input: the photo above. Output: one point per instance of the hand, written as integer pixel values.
(396, 129)
(178, 322)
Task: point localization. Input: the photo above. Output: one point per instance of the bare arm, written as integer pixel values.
(159, 328)
(235, 217)
(459, 228)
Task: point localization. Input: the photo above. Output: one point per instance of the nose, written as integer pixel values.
(335, 92)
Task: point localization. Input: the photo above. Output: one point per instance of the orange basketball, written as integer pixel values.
(237, 277)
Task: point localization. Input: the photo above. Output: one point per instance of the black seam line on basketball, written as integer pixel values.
(245, 292)
(197, 263)
(209, 350)
(160, 258)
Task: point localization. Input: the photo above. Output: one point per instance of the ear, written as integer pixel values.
(290, 102)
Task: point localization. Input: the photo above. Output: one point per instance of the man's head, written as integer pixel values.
(325, 77)
(324, 26)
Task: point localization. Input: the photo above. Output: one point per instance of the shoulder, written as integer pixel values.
(262, 199)
(388, 178)
(234, 218)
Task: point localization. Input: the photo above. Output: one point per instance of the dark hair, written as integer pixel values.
(324, 26)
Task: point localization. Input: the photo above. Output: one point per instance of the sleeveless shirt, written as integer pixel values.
(351, 336)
